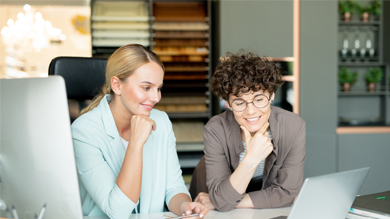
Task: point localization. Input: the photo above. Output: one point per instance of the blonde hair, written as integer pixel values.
(122, 63)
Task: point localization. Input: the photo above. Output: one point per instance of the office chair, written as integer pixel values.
(84, 77)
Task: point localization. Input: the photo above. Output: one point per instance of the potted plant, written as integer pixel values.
(376, 7)
(373, 76)
(347, 9)
(347, 78)
(364, 11)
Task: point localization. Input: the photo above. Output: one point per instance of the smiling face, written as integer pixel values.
(252, 118)
(142, 89)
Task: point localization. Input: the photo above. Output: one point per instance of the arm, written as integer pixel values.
(226, 189)
(177, 196)
(221, 192)
(97, 176)
(130, 176)
(288, 176)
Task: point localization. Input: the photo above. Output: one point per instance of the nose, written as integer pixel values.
(155, 96)
(250, 108)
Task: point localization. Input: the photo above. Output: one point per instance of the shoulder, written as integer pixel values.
(286, 117)
(222, 120)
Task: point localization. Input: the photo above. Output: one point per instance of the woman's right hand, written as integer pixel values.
(140, 129)
(259, 146)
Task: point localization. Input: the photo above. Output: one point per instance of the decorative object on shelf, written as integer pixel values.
(373, 76)
(356, 44)
(347, 78)
(347, 9)
(364, 11)
(344, 50)
(376, 7)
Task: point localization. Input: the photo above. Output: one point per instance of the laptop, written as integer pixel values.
(328, 196)
(37, 161)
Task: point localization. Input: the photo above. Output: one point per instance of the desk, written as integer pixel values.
(234, 214)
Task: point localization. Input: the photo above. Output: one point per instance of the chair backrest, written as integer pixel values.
(84, 77)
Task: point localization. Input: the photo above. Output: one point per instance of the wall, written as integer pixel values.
(318, 87)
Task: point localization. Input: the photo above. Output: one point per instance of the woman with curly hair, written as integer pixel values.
(254, 152)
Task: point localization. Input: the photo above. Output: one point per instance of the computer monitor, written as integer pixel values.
(37, 161)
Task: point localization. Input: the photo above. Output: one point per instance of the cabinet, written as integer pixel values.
(360, 49)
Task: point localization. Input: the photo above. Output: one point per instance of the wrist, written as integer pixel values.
(249, 162)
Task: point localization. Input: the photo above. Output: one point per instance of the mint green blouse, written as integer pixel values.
(99, 157)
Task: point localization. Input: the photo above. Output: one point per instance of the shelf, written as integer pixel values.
(113, 18)
(185, 77)
(361, 64)
(359, 23)
(362, 93)
(204, 115)
(185, 69)
(363, 130)
(185, 147)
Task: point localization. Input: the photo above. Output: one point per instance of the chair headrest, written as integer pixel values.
(84, 77)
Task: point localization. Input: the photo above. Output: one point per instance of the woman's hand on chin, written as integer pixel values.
(141, 127)
(259, 146)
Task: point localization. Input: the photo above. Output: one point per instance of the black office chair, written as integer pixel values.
(84, 77)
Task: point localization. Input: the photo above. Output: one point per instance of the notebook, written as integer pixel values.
(36, 155)
(376, 205)
(328, 196)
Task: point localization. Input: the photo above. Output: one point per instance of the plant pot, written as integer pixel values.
(346, 87)
(371, 87)
(347, 17)
(365, 17)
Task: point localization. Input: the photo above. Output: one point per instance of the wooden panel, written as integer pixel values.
(362, 130)
(179, 11)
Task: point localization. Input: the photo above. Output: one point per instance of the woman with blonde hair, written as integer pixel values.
(125, 150)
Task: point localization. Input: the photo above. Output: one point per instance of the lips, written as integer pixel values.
(148, 107)
(253, 120)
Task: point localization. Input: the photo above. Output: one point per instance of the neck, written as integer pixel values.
(122, 118)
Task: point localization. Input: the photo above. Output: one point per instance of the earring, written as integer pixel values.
(230, 109)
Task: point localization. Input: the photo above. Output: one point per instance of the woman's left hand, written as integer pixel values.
(204, 198)
(188, 208)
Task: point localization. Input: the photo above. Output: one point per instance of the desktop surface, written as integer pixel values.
(234, 214)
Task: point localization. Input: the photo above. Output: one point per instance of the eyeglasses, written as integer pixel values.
(259, 101)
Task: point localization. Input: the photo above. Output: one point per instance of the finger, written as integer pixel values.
(246, 133)
(186, 209)
(263, 128)
(203, 212)
(154, 126)
(197, 198)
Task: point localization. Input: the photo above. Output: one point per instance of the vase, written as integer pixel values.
(347, 16)
(346, 87)
(371, 87)
(365, 16)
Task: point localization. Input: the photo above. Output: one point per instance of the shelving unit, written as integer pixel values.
(360, 108)
(182, 38)
(117, 23)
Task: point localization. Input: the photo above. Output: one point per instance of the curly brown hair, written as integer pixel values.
(243, 72)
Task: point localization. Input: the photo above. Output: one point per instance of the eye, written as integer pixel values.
(146, 88)
(259, 99)
(159, 89)
(238, 103)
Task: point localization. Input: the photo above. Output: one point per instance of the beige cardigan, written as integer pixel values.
(283, 171)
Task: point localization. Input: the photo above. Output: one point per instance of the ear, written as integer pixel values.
(272, 97)
(116, 84)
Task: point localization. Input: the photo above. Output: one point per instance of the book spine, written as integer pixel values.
(368, 214)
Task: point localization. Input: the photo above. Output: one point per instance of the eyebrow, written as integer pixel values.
(148, 82)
